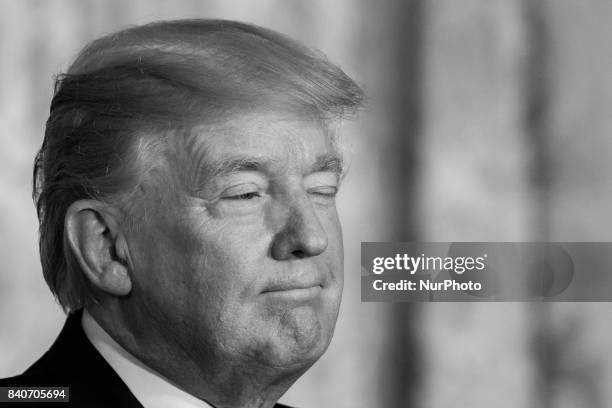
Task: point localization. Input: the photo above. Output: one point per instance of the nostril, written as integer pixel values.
(299, 254)
(309, 251)
(298, 244)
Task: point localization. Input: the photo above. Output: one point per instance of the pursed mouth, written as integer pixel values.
(299, 283)
(288, 287)
(293, 293)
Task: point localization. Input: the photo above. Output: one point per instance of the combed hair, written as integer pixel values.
(154, 78)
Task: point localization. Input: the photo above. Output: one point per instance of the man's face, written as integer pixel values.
(246, 263)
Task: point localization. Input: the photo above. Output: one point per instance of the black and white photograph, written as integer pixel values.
(305, 204)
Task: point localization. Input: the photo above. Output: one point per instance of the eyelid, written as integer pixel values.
(323, 183)
(241, 189)
(330, 191)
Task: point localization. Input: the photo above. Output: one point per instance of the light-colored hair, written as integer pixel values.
(155, 78)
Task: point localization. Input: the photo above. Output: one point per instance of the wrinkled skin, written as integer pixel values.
(237, 264)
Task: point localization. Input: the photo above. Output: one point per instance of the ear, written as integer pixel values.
(92, 231)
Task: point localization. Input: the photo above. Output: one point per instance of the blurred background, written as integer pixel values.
(488, 120)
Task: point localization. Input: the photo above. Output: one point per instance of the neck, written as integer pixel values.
(222, 380)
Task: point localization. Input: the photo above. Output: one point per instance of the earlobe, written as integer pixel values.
(94, 238)
(115, 280)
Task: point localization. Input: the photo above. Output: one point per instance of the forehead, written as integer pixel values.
(269, 139)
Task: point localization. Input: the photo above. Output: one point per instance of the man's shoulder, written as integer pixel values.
(38, 374)
(73, 362)
(25, 380)
(35, 376)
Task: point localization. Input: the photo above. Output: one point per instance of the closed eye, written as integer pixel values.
(326, 192)
(244, 196)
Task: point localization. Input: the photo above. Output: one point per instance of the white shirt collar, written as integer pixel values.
(150, 388)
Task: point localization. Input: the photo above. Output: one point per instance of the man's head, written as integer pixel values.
(185, 190)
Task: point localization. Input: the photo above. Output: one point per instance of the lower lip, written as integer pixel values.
(297, 293)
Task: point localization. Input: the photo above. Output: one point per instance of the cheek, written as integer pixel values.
(164, 249)
(331, 223)
(220, 260)
(335, 260)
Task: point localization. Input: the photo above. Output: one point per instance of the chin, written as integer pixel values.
(300, 340)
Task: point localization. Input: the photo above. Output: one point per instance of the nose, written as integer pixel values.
(302, 234)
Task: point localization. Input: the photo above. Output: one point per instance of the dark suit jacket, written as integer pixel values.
(72, 361)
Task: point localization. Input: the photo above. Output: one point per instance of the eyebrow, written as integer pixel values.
(324, 163)
(238, 164)
(330, 162)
